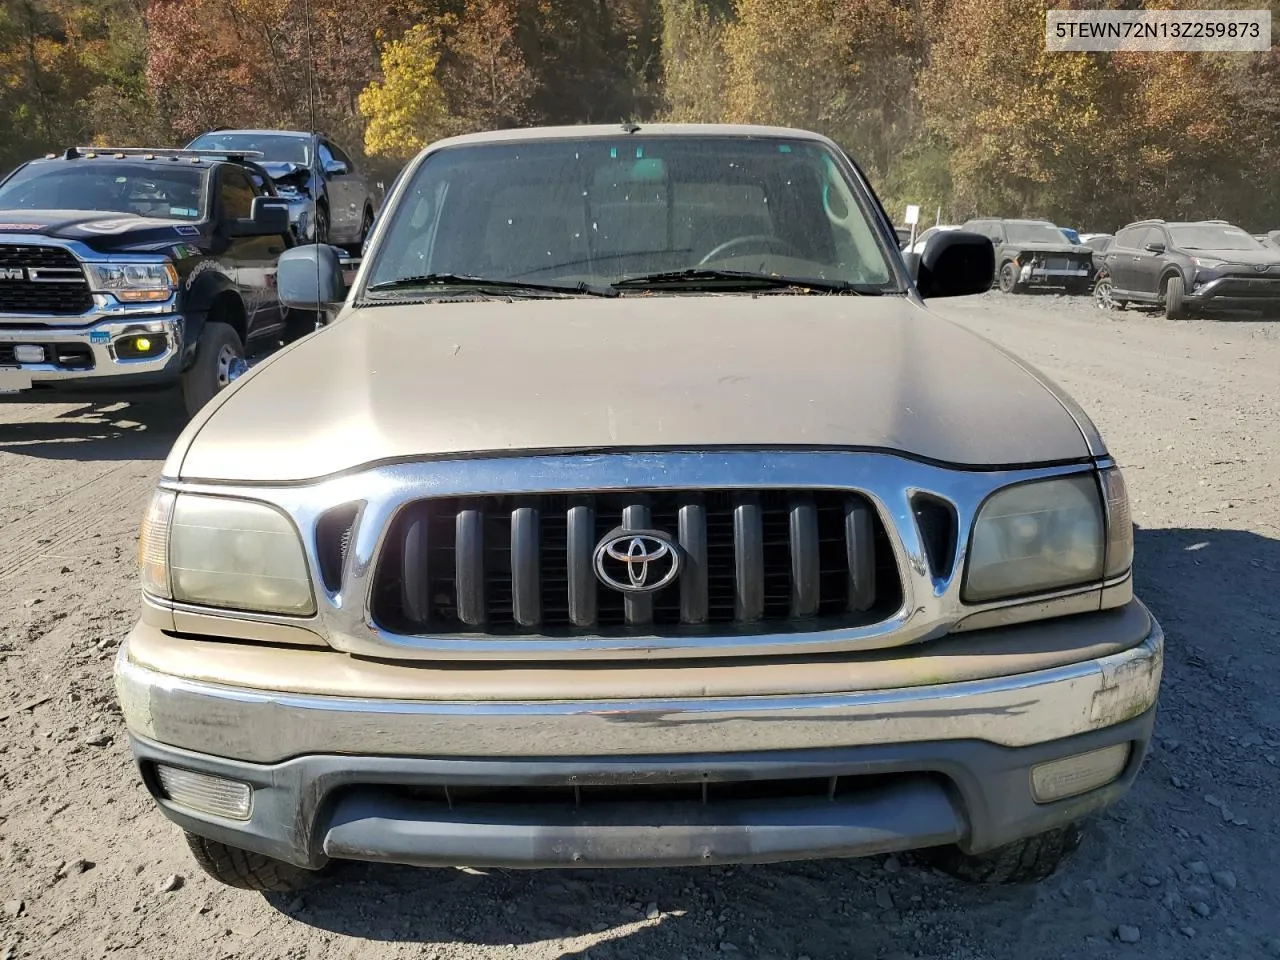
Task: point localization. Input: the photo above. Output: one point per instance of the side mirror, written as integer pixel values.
(268, 217)
(311, 277)
(335, 168)
(1155, 246)
(954, 263)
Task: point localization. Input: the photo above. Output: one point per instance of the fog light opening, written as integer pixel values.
(202, 792)
(136, 347)
(1072, 776)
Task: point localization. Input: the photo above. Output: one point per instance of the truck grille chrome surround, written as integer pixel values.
(388, 525)
(523, 565)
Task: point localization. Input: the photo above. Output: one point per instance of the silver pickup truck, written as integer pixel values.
(635, 509)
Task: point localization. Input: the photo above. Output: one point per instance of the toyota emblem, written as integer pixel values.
(637, 561)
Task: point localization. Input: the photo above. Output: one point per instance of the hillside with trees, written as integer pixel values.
(947, 103)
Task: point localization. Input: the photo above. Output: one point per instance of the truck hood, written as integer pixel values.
(98, 228)
(407, 381)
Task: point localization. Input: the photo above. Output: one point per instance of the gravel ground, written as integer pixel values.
(1186, 867)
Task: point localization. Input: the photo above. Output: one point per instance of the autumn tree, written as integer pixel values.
(406, 109)
(693, 62)
(487, 81)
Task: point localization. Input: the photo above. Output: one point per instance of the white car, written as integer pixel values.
(923, 237)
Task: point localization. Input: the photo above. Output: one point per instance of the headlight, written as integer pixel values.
(1037, 536)
(219, 552)
(1207, 262)
(134, 282)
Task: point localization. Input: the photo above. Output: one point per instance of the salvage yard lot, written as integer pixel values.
(1186, 863)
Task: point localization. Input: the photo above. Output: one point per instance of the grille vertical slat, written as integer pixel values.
(524, 565)
(414, 584)
(692, 534)
(581, 543)
(748, 560)
(469, 567)
(526, 574)
(638, 607)
(859, 538)
(805, 578)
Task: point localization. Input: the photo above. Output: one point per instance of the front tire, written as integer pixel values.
(1174, 291)
(1009, 278)
(1029, 860)
(247, 870)
(322, 224)
(366, 227)
(219, 360)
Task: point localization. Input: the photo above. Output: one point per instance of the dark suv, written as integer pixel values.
(1035, 253)
(1182, 267)
(330, 198)
(128, 268)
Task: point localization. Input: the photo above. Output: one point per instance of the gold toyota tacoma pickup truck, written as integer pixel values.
(635, 509)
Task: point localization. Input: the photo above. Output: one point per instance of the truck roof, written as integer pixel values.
(615, 130)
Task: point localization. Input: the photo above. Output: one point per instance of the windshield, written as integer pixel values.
(274, 147)
(114, 186)
(1034, 233)
(1213, 237)
(597, 211)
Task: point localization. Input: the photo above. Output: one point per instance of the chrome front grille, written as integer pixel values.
(519, 565)
(42, 280)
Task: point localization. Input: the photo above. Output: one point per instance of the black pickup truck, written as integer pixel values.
(134, 268)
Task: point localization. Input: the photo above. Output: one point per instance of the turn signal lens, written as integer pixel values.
(1072, 776)
(208, 794)
(1119, 523)
(153, 545)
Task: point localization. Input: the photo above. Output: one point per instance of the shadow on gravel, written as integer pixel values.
(816, 909)
(94, 430)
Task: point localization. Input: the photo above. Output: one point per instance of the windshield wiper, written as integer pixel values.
(744, 279)
(483, 284)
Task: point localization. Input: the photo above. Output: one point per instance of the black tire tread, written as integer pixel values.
(195, 388)
(1174, 305)
(1029, 860)
(245, 869)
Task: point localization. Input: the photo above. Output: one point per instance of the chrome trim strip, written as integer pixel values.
(261, 726)
(931, 607)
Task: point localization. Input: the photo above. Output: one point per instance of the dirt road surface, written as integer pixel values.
(1190, 861)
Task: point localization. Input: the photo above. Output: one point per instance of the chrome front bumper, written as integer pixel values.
(350, 778)
(263, 726)
(101, 337)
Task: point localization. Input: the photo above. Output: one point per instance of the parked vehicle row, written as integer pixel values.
(126, 269)
(1185, 267)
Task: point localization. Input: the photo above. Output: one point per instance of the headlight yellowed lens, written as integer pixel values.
(1035, 537)
(238, 555)
(153, 545)
(1119, 523)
